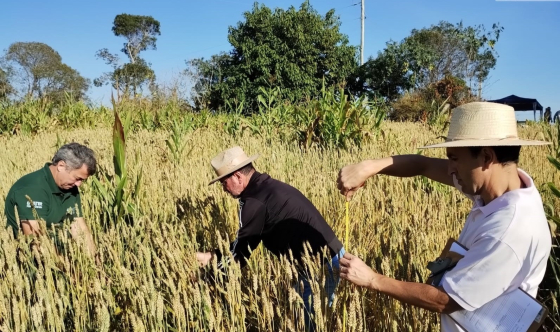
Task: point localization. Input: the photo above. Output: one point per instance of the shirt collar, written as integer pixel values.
(507, 198)
(252, 182)
(50, 179)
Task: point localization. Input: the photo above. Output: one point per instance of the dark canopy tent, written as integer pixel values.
(521, 104)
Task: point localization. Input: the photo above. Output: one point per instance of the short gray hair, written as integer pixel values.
(247, 169)
(75, 155)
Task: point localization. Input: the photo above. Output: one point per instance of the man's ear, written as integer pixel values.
(488, 156)
(237, 176)
(60, 165)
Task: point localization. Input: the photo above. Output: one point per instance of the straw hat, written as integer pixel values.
(229, 161)
(483, 124)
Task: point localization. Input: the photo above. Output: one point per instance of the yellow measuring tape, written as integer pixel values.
(346, 248)
(347, 226)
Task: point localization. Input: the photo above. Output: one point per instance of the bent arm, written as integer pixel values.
(30, 227)
(252, 219)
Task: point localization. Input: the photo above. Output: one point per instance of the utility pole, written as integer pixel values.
(362, 45)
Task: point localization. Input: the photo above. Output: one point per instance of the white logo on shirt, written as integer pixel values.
(37, 205)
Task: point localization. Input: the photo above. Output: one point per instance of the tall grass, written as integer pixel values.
(551, 284)
(333, 120)
(148, 279)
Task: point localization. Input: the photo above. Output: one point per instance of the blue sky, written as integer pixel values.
(529, 47)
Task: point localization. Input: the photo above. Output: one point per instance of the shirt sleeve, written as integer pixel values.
(252, 216)
(484, 273)
(40, 200)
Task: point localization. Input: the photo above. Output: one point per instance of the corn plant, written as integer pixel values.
(438, 117)
(334, 120)
(175, 143)
(268, 98)
(112, 189)
(59, 142)
(147, 120)
(233, 124)
(272, 116)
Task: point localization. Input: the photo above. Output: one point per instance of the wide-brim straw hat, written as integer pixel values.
(483, 124)
(229, 161)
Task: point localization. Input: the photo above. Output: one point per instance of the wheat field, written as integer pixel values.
(144, 279)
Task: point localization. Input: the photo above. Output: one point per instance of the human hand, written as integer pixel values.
(357, 272)
(352, 177)
(203, 258)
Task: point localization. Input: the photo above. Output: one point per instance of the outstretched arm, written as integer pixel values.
(352, 177)
(251, 223)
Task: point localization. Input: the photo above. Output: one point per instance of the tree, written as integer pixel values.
(386, 75)
(290, 49)
(6, 88)
(39, 72)
(133, 74)
(429, 55)
(464, 52)
(206, 74)
(127, 77)
(141, 34)
(65, 81)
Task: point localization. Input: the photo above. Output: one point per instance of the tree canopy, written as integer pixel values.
(6, 88)
(429, 55)
(141, 34)
(292, 49)
(38, 71)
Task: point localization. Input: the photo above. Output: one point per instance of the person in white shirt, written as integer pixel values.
(506, 232)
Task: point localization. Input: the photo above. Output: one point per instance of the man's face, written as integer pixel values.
(233, 184)
(469, 170)
(68, 178)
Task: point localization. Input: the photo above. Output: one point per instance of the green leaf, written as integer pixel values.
(137, 185)
(118, 147)
(119, 195)
(556, 220)
(170, 146)
(100, 189)
(261, 100)
(554, 190)
(554, 162)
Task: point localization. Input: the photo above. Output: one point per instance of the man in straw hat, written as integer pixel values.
(506, 232)
(277, 214)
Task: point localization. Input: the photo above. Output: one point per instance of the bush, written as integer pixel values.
(423, 104)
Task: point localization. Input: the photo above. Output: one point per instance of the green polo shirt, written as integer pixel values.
(51, 203)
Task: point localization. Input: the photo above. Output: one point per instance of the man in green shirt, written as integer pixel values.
(53, 190)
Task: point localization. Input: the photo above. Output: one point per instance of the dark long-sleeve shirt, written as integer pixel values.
(282, 218)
